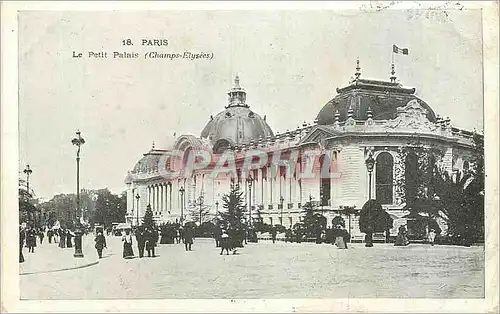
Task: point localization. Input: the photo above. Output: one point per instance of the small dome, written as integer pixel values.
(382, 98)
(237, 123)
(148, 163)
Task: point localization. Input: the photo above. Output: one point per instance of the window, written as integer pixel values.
(384, 178)
(411, 177)
(324, 190)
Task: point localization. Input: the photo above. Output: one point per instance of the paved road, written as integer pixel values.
(267, 270)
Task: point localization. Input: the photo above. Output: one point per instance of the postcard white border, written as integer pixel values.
(9, 175)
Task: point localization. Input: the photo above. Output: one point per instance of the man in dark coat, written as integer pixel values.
(100, 243)
(217, 236)
(31, 240)
(50, 234)
(273, 234)
(141, 240)
(188, 238)
(41, 235)
(22, 236)
(150, 241)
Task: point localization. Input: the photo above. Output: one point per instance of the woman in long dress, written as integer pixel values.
(69, 236)
(62, 238)
(127, 245)
(340, 235)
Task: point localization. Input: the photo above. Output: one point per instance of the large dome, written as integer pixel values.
(381, 97)
(237, 123)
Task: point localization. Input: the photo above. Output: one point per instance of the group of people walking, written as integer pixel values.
(147, 239)
(28, 236)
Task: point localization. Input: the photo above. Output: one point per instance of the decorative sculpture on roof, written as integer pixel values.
(413, 117)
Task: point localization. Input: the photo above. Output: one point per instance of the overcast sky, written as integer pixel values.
(289, 62)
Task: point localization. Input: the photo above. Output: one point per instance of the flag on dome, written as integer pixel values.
(396, 49)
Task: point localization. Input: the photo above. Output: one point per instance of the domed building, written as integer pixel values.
(236, 124)
(367, 121)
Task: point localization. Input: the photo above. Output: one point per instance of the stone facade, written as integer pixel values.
(371, 117)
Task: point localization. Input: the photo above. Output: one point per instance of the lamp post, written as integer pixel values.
(182, 190)
(137, 197)
(249, 182)
(78, 141)
(370, 162)
(281, 214)
(28, 172)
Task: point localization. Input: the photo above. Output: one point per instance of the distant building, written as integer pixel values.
(366, 118)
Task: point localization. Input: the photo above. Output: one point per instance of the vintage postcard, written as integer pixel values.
(250, 157)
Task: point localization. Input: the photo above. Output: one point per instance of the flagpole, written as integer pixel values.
(393, 77)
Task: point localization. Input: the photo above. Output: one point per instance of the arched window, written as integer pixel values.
(325, 183)
(384, 178)
(411, 177)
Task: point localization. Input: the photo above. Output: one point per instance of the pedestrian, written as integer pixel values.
(41, 235)
(56, 235)
(69, 236)
(225, 243)
(50, 235)
(127, 245)
(188, 238)
(141, 241)
(150, 241)
(401, 239)
(100, 243)
(181, 234)
(62, 238)
(431, 236)
(288, 235)
(273, 234)
(31, 240)
(340, 237)
(217, 236)
(22, 236)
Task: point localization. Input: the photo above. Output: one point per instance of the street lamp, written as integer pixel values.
(182, 190)
(78, 141)
(249, 182)
(28, 171)
(137, 197)
(217, 208)
(281, 214)
(370, 162)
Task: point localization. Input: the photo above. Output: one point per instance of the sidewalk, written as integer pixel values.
(49, 257)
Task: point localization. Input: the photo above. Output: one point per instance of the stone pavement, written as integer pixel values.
(267, 270)
(49, 257)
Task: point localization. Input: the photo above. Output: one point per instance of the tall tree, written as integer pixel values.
(201, 214)
(109, 208)
(234, 205)
(313, 221)
(373, 218)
